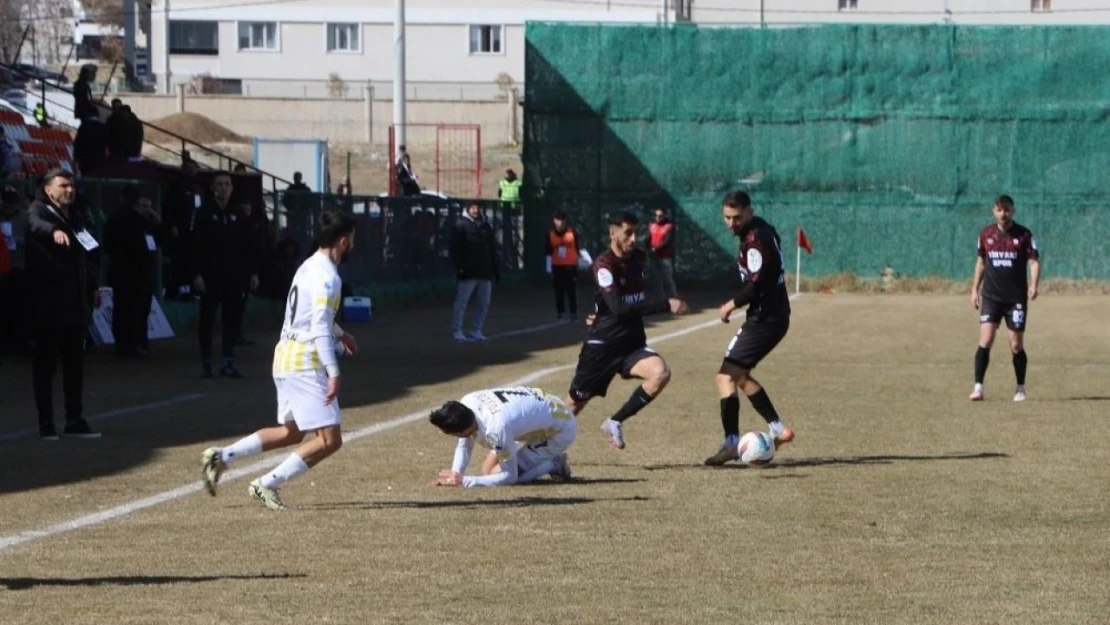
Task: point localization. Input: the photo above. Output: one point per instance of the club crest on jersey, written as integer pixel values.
(990, 241)
(755, 260)
(493, 441)
(604, 278)
(1015, 241)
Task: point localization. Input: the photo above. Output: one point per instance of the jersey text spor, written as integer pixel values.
(1005, 254)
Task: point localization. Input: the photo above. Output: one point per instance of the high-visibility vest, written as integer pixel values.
(40, 114)
(657, 232)
(510, 190)
(564, 251)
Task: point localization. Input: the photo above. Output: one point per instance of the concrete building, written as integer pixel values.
(462, 49)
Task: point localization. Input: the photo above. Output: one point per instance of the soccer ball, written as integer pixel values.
(756, 448)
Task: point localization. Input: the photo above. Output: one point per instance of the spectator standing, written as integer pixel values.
(508, 189)
(117, 133)
(407, 181)
(475, 257)
(563, 247)
(185, 197)
(40, 116)
(661, 234)
(63, 293)
(132, 238)
(257, 251)
(91, 143)
(223, 271)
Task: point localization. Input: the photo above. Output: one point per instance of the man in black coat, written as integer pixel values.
(63, 293)
(474, 253)
(132, 238)
(223, 270)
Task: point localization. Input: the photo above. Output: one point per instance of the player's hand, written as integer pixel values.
(725, 311)
(198, 284)
(975, 300)
(349, 343)
(678, 306)
(590, 319)
(333, 391)
(1032, 292)
(61, 238)
(448, 478)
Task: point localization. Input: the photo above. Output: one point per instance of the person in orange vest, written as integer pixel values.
(564, 250)
(661, 242)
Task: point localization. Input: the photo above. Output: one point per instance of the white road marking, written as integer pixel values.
(104, 516)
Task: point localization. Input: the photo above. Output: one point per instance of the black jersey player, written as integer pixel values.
(763, 291)
(1001, 289)
(616, 342)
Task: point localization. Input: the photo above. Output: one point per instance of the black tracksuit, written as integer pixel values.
(132, 274)
(61, 288)
(221, 255)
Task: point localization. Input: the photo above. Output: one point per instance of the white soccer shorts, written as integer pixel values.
(300, 399)
(528, 456)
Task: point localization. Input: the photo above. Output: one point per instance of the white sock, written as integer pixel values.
(978, 386)
(246, 446)
(776, 428)
(289, 468)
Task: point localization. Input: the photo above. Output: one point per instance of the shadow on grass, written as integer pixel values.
(520, 502)
(798, 463)
(27, 583)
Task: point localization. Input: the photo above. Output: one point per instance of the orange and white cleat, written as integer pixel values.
(976, 393)
(784, 437)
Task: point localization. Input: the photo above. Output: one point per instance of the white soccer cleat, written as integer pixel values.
(561, 472)
(615, 431)
(976, 393)
(211, 467)
(1019, 394)
(271, 497)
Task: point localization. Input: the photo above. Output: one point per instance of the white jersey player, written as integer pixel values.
(526, 430)
(306, 371)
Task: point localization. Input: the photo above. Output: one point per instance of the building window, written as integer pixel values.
(258, 36)
(1041, 5)
(193, 37)
(485, 40)
(849, 5)
(343, 38)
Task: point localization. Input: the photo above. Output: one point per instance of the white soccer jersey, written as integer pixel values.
(507, 417)
(309, 316)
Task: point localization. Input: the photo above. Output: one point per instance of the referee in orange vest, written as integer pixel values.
(661, 241)
(563, 250)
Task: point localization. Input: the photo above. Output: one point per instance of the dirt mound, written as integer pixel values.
(194, 127)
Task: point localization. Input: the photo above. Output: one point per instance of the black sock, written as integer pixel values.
(1020, 362)
(635, 403)
(763, 406)
(982, 359)
(730, 415)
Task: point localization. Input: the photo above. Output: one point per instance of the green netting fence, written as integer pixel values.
(886, 143)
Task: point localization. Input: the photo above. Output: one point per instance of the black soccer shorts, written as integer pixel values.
(598, 363)
(993, 311)
(754, 341)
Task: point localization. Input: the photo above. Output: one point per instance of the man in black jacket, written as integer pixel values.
(474, 253)
(63, 293)
(132, 238)
(223, 270)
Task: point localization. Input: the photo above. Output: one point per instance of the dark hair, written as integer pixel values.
(57, 172)
(452, 418)
(334, 225)
(223, 173)
(621, 218)
(662, 210)
(559, 214)
(737, 199)
(1004, 201)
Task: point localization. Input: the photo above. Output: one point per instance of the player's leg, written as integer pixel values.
(558, 280)
(751, 345)
(644, 365)
(462, 297)
(595, 370)
(206, 324)
(267, 489)
(990, 315)
(1015, 325)
(215, 460)
(482, 292)
(572, 292)
(231, 319)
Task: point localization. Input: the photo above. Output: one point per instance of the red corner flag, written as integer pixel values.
(803, 241)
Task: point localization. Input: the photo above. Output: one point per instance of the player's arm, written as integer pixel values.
(980, 271)
(462, 454)
(611, 295)
(764, 264)
(506, 457)
(322, 325)
(548, 252)
(1034, 267)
